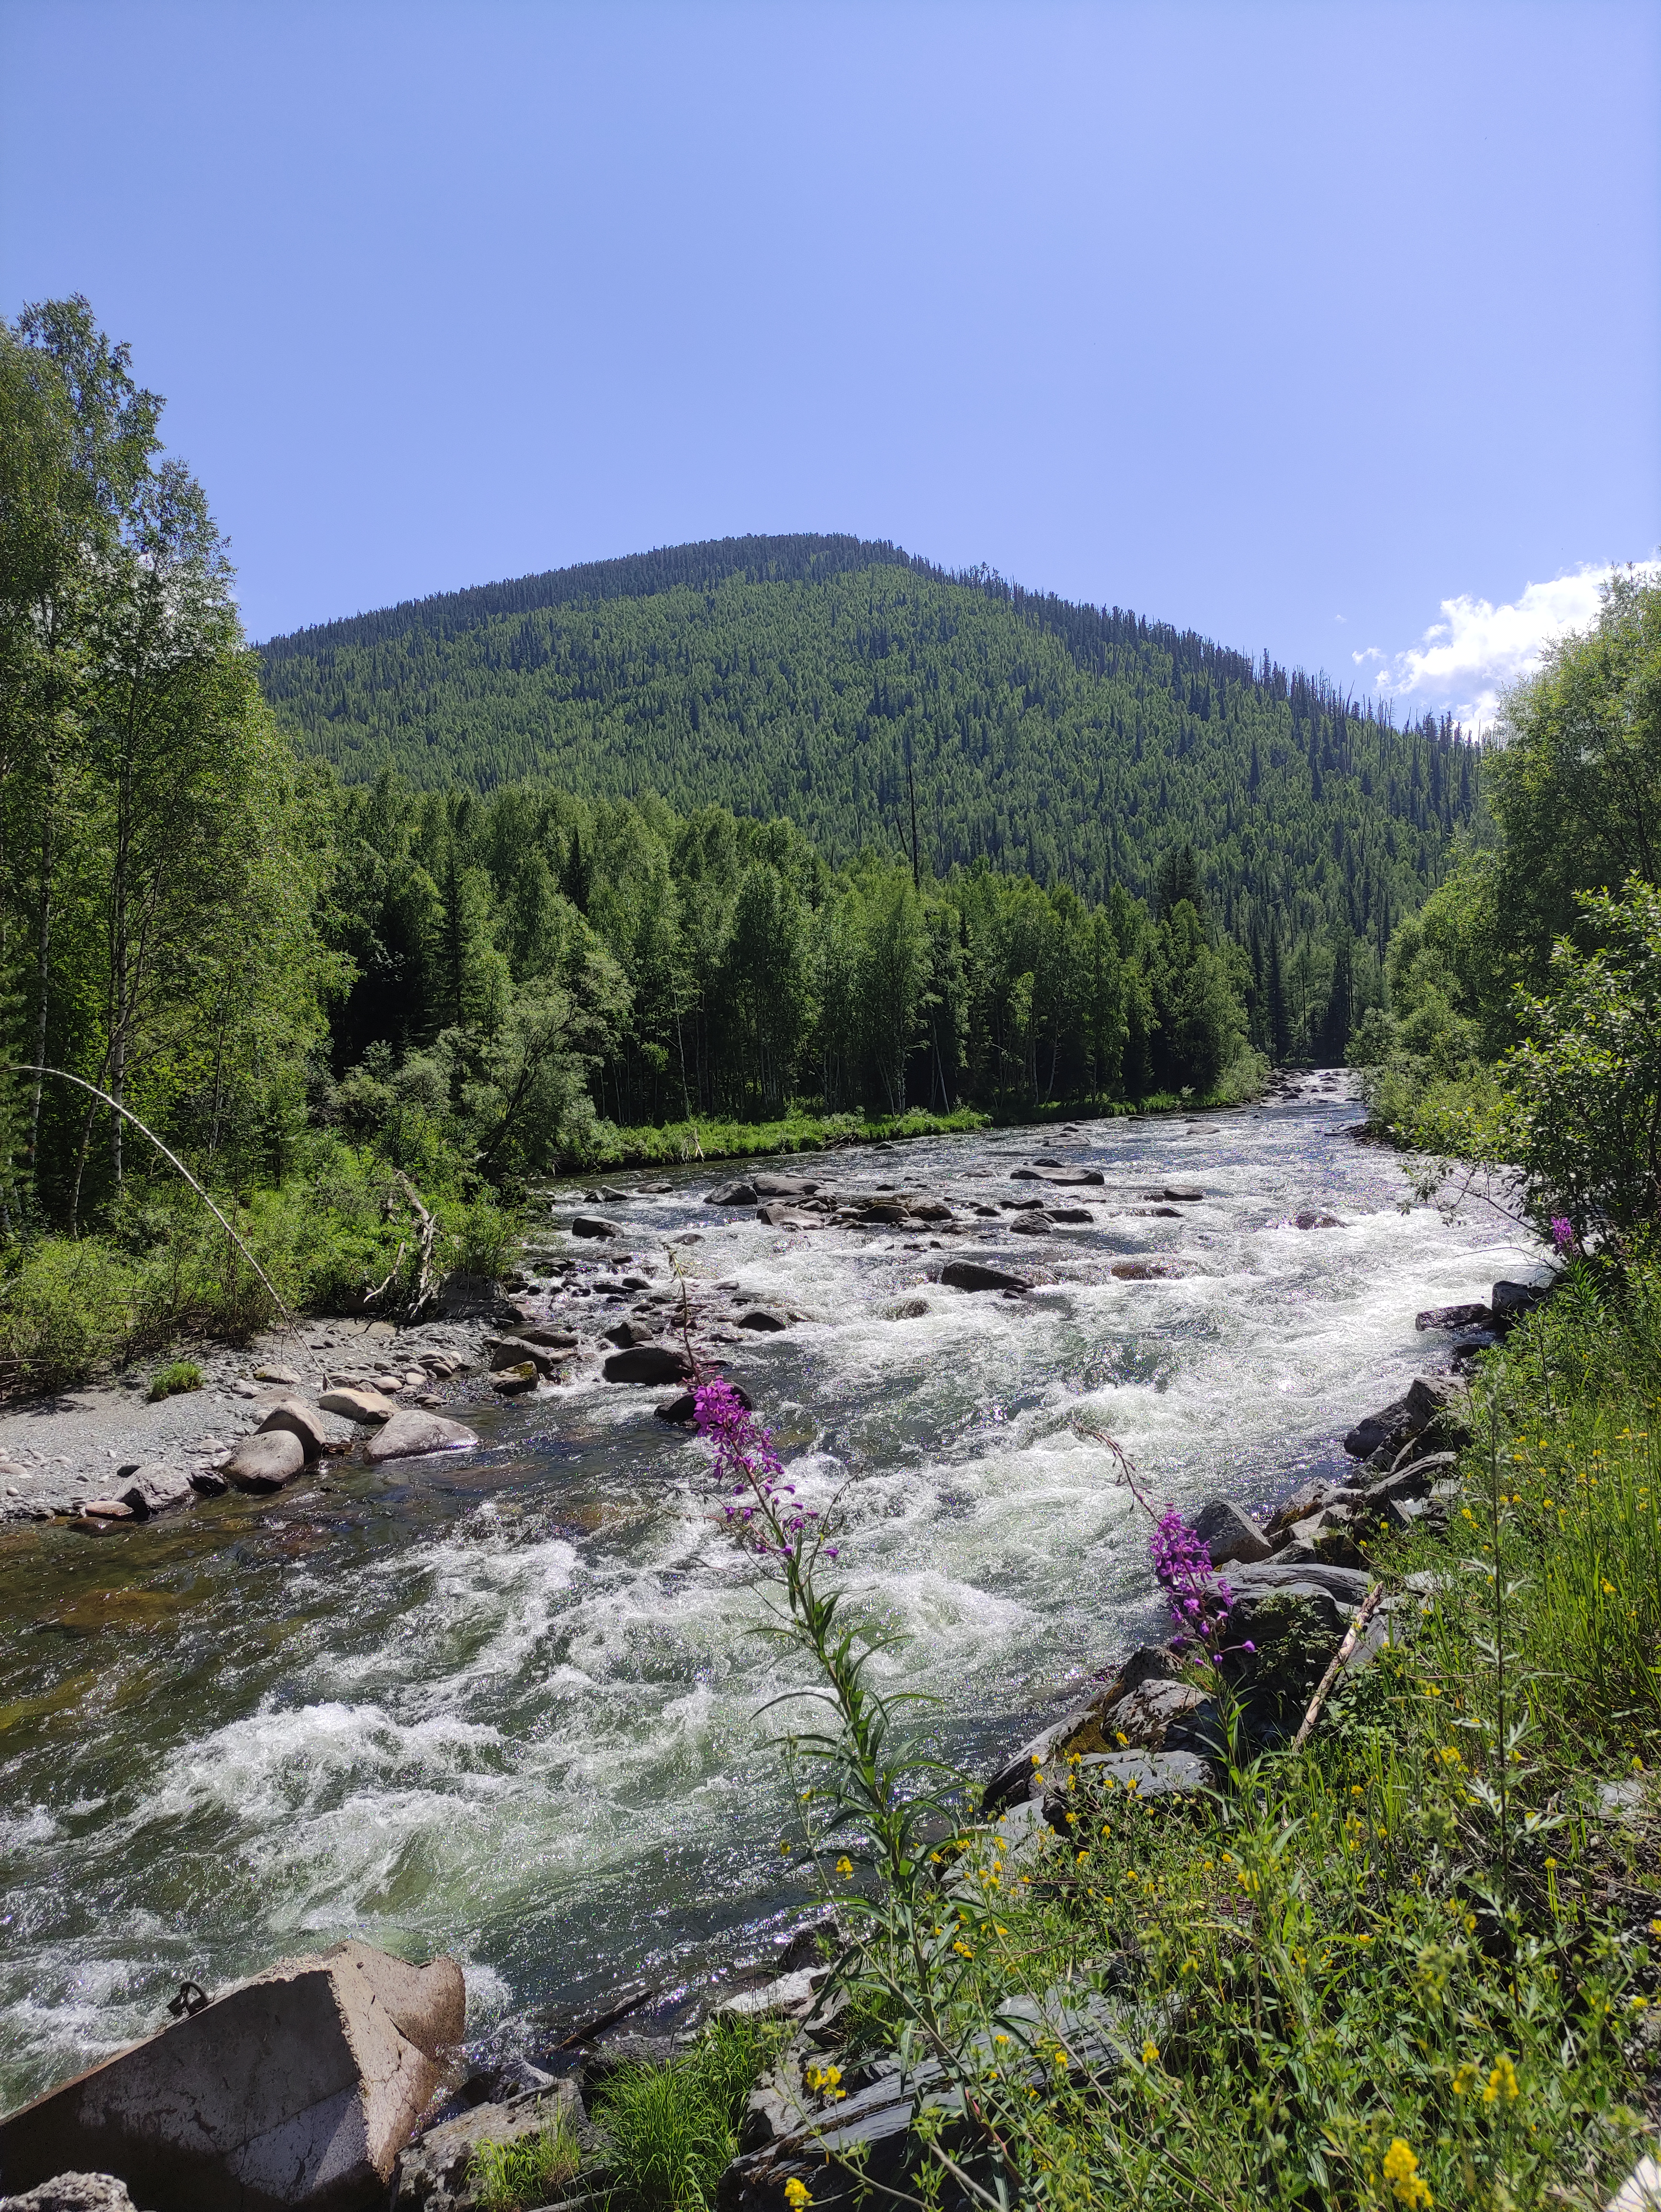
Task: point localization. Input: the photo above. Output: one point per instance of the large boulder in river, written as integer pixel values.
(296, 2089)
(410, 1433)
(648, 1363)
(973, 1275)
(265, 1461)
(591, 1224)
(357, 1405)
(732, 1194)
(784, 1185)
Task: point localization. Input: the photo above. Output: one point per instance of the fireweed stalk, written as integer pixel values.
(898, 1949)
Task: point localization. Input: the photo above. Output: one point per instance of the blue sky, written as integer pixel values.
(1290, 323)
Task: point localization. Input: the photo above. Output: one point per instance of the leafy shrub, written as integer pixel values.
(509, 2177)
(173, 1381)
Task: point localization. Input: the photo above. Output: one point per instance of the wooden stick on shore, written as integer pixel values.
(1352, 1636)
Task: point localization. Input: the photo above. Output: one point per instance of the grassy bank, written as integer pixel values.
(1415, 1962)
(605, 1147)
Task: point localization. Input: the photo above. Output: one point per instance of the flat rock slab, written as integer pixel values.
(410, 1432)
(265, 1461)
(1348, 1585)
(974, 1275)
(296, 2089)
(1146, 1773)
(784, 1186)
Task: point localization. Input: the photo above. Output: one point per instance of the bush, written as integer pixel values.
(173, 1381)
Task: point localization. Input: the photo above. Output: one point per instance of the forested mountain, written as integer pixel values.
(825, 680)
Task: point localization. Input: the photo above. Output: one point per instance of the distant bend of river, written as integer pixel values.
(505, 1705)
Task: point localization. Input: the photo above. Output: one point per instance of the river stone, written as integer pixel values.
(266, 1460)
(73, 2192)
(732, 1194)
(1073, 1175)
(1465, 1316)
(1509, 1302)
(1316, 1221)
(648, 1363)
(357, 1405)
(302, 1420)
(1347, 1586)
(683, 1410)
(273, 1374)
(516, 1351)
(764, 1320)
(297, 2089)
(514, 1381)
(1423, 1400)
(556, 1339)
(1144, 1271)
(1230, 1532)
(410, 1433)
(439, 2160)
(154, 1486)
(973, 1275)
(779, 1213)
(591, 1224)
(1142, 1716)
(1146, 1773)
(784, 1185)
(1080, 1215)
(1034, 1225)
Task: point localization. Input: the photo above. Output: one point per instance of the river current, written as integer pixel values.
(505, 1704)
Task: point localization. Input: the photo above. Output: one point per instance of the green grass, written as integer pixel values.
(1427, 1930)
(172, 1381)
(672, 2130)
(514, 2176)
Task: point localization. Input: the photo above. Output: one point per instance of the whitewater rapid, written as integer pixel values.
(506, 1705)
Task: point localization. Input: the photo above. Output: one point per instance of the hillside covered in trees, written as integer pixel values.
(830, 682)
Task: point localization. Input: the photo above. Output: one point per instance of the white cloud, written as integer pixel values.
(1464, 662)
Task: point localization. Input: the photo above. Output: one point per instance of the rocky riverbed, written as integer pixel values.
(498, 1699)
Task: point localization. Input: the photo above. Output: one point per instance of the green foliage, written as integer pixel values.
(672, 2130)
(512, 2177)
(170, 1381)
(800, 677)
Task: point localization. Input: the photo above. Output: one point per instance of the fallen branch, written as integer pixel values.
(1370, 1605)
(426, 1290)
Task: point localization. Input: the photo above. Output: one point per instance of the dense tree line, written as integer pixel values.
(850, 689)
(202, 923)
(684, 965)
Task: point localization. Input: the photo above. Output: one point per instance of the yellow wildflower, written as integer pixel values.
(844, 1868)
(797, 2194)
(1502, 2083)
(1402, 2172)
(1465, 2080)
(1150, 2052)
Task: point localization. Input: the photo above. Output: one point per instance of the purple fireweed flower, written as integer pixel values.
(1182, 1564)
(745, 1459)
(1562, 1231)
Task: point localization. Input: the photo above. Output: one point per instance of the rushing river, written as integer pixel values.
(505, 1705)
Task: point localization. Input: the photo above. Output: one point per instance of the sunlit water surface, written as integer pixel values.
(505, 1705)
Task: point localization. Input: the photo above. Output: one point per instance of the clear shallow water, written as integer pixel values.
(505, 1705)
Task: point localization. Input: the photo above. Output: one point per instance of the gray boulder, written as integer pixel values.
(73, 2192)
(1143, 1716)
(357, 1405)
(154, 1486)
(1075, 1216)
(1346, 1586)
(972, 1275)
(304, 1421)
(1509, 1302)
(1145, 1773)
(439, 2160)
(648, 1363)
(265, 1461)
(591, 1224)
(1465, 1316)
(1074, 1176)
(1230, 1532)
(782, 1186)
(410, 1433)
(296, 2089)
(1144, 1271)
(514, 1350)
(764, 1320)
(1426, 1401)
(732, 1194)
